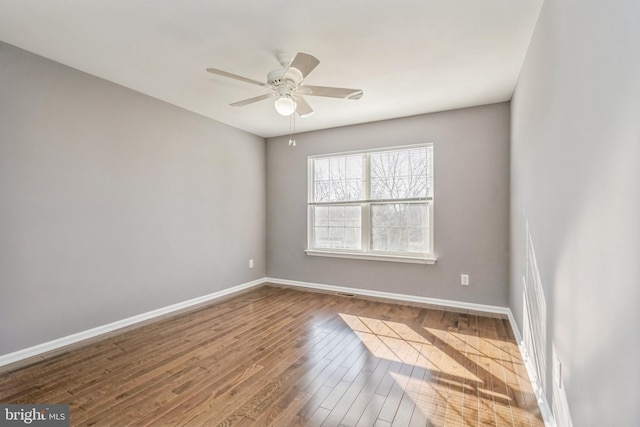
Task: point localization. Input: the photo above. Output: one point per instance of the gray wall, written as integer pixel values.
(471, 148)
(575, 179)
(113, 203)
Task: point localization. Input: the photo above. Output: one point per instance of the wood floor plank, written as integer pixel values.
(361, 404)
(276, 356)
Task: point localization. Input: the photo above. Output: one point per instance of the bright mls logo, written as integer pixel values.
(34, 415)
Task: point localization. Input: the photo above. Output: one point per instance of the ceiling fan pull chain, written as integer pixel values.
(292, 130)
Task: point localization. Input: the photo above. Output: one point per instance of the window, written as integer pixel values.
(372, 205)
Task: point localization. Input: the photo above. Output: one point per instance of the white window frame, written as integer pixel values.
(366, 253)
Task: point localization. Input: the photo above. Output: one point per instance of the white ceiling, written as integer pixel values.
(409, 57)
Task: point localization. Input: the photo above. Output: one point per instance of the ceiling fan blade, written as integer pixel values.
(252, 100)
(234, 76)
(302, 107)
(331, 92)
(304, 63)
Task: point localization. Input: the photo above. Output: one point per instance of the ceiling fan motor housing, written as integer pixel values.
(291, 77)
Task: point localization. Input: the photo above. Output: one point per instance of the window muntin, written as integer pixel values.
(376, 202)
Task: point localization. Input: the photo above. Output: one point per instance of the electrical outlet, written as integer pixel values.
(464, 279)
(250, 263)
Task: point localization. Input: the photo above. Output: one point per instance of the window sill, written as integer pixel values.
(373, 257)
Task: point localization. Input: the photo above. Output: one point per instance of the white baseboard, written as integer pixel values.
(36, 350)
(394, 296)
(545, 409)
(543, 404)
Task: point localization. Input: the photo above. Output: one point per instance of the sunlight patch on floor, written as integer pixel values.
(400, 343)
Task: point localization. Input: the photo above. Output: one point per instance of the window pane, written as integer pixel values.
(354, 167)
(352, 216)
(338, 179)
(321, 170)
(351, 238)
(336, 216)
(400, 227)
(337, 227)
(338, 191)
(400, 174)
(380, 239)
(337, 168)
(322, 216)
(321, 237)
(322, 191)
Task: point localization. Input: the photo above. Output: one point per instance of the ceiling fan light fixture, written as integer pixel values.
(285, 105)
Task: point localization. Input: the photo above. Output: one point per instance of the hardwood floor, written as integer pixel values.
(284, 357)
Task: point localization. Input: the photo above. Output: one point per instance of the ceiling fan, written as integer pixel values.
(287, 85)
